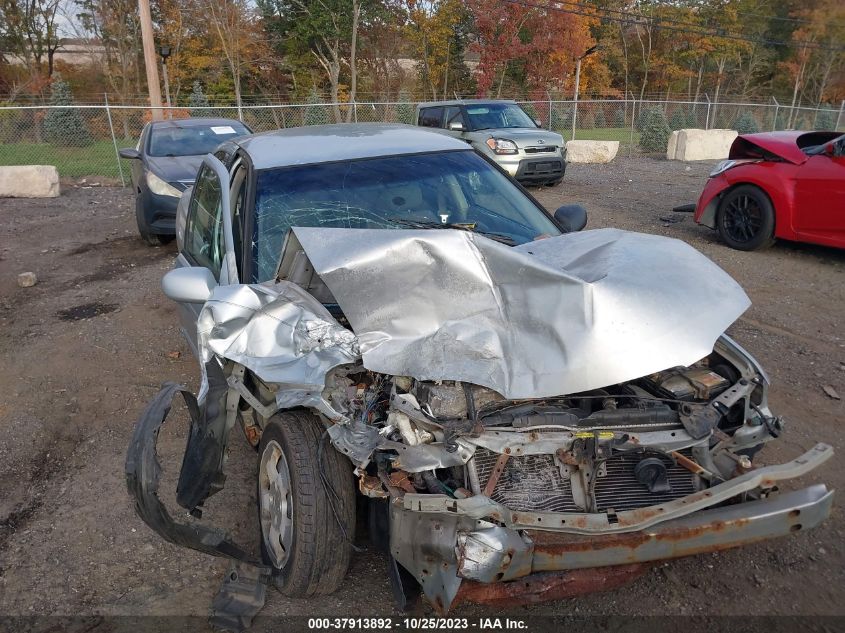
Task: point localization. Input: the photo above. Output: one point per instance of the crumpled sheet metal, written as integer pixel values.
(560, 315)
(279, 332)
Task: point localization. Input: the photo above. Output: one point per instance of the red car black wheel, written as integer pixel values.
(746, 219)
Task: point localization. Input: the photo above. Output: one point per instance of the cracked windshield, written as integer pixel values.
(457, 190)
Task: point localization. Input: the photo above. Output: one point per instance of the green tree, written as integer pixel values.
(746, 124)
(64, 126)
(619, 117)
(315, 112)
(405, 109)
(197, 101)
(826, 119)
(327, 31)
(655, 131)
(678, 120)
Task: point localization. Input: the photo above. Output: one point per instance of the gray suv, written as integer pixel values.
(504, 132)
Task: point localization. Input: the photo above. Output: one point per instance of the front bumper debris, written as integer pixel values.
(242, 593)
(444, 541)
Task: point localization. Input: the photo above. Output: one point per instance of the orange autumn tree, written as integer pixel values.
(534, 45)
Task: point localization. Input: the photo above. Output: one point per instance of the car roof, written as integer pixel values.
(192, 122)
(343, 141)
(433, 104)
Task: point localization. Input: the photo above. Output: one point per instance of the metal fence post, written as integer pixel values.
(707, 118)
(114, 140)
(839, 116)
(777, 109)
(633, 119)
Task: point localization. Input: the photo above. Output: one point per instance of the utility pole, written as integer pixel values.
(150, 58)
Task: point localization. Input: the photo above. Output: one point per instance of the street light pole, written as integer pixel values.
(587, 53)
(164, 51)
(150, 58)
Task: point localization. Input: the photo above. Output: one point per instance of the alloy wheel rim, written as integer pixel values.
(275, 504)
(743, 219)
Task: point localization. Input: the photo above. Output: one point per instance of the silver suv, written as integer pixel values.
(504, 132)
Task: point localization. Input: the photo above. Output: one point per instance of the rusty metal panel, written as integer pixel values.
(548, 586)
(707, 531)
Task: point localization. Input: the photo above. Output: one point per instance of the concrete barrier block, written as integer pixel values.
(672, 147)
(695, 144)
(29, 181)
(591, 151)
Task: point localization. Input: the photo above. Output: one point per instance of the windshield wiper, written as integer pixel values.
(461, 226)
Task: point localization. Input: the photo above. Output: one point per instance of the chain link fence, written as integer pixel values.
(83, 141)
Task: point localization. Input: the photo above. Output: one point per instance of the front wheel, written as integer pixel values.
(306, 506)
(746, 219)
(153, 239)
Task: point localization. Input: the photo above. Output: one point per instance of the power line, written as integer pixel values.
(662, 23)
(757, 15)
(694, 29)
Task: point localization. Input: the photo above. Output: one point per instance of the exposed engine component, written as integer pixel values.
(623, 447)
(651, 473)
(694, 383)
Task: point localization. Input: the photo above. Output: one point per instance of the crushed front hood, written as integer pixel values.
(560, 315)
(781, 144)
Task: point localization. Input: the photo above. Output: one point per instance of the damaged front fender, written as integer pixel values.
(143, 474)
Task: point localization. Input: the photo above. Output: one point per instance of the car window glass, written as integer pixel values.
(498, 115)
(454, 115)
(412, 191)
(204, 231)
(431, 117)
(192, 140)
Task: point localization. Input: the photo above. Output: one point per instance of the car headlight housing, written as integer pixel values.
(725, 165)
(502, 146)
(161, 187)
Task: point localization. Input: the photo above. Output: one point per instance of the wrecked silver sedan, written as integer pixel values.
(528, 411)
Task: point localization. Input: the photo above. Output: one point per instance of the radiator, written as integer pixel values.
(532, 483)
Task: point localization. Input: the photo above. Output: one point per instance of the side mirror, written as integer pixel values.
(572, 217)
(130, 152)
(830, 150)
(456, 126)
(189, 284)
(538, 122)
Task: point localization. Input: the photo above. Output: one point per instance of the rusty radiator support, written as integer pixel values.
(546, 586)
(498, 469)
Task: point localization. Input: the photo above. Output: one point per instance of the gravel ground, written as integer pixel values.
(87, 347)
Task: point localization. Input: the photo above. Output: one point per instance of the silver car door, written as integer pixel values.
(208, 238)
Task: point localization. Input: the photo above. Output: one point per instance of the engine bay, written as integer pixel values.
(626, 446)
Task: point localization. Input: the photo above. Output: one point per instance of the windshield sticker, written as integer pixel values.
(223, 129)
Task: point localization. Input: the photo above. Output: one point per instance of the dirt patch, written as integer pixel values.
(74, 388)
(86, 311)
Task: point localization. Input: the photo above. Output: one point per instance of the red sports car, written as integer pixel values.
(788, 185)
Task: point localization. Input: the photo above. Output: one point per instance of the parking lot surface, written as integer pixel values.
(85, 349)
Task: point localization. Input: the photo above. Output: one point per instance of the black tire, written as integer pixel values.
(153, 239)
(746, 219)
(319, 551)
